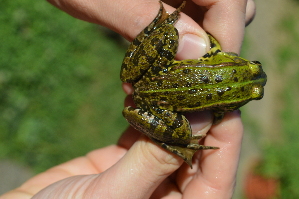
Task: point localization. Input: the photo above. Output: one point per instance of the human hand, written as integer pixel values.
(146, 170)
(225, 20)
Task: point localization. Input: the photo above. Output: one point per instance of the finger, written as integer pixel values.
(130, 17)
(250, 11)
(127, 17)
(167, 189)
(129, 101)
(95, 162)
(216, 175)
(139, 172)
(128, 138)
(127, 88)
(225, 20)
(200, 122)
(144, 167)
(130, 135)
(152, 163)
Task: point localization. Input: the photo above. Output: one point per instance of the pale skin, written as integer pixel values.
(135, 167)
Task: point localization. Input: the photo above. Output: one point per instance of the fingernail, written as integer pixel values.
(191, 47)
(200, 121)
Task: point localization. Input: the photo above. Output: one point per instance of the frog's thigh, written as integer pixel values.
(155, 127)
(157, 130)
(156, 50)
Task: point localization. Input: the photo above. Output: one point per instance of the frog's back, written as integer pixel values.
(193, 85)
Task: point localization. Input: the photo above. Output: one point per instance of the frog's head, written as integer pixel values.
(242, 81)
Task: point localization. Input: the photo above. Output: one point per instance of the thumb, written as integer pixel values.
(130, 17)
(136, 175)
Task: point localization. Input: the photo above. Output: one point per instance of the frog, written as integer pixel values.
(165, 88)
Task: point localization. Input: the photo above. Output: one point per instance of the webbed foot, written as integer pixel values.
(186, 153)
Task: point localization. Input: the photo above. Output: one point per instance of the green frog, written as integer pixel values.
(165, 88)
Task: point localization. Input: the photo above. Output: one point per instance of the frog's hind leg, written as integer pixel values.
(155, 46)
(161, 16)
(186, 153)
(173, 17)
(128, 68)
(173, 132)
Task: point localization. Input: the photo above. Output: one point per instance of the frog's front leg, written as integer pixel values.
(176, 136)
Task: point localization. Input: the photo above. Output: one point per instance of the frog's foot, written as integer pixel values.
(201, 147)
(186, 153)
(195, 138)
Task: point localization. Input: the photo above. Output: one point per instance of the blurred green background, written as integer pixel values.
(59, 85)
(61, 94)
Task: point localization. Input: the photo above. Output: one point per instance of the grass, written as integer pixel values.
(59, 85)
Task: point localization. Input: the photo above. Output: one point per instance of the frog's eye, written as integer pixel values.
(255, 62)
(256, 67)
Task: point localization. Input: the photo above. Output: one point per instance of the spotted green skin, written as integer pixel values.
(165, 88)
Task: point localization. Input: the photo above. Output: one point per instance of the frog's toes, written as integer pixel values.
(185, 153)
(200, 147)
